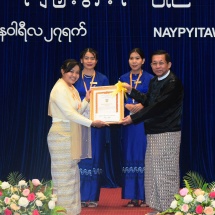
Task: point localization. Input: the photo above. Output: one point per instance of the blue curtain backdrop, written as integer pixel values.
(31, 65)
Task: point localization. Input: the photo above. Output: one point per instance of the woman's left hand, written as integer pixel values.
(137, 107)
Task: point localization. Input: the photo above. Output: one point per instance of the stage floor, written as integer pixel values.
(111, 203)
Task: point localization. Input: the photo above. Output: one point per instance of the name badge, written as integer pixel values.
(138, 82)
(93, 82)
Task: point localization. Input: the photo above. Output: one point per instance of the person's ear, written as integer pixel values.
(169, 65)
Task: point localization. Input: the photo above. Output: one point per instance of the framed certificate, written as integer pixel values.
(106, 106)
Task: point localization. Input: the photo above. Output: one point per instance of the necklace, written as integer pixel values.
(92, 80)
(88, 76)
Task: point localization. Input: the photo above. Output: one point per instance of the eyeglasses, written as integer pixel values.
(157, 63)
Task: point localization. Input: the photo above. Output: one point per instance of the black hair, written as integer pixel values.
(69, 64)
(162, 52)
(91, 50)
(139, 51)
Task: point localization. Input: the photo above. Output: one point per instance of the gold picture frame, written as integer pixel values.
(106, 106)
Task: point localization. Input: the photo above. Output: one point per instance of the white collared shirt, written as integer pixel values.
(164, 76)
